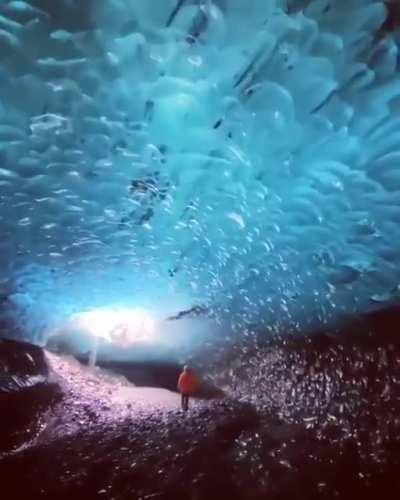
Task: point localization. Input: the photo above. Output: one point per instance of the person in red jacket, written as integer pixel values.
(187, 386)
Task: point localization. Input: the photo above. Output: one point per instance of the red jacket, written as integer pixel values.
(188, 383)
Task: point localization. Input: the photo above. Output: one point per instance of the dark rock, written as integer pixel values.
(22, 360)
(25, 391)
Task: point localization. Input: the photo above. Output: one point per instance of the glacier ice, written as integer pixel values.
(238, 156)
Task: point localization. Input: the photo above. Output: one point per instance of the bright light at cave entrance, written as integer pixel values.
(118, 326)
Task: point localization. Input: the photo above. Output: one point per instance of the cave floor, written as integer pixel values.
(104, 438)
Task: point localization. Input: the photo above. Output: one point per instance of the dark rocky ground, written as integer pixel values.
(302, 419)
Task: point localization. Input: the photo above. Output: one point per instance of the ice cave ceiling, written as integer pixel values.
(237, 158)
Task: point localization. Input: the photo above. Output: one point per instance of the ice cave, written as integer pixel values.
(202, 170)
(238, 157)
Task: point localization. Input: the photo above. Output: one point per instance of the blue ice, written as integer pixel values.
(238, 155)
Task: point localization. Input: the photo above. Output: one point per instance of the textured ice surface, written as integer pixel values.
(238, 155)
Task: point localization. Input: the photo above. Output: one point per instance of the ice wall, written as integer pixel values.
(238, 155)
